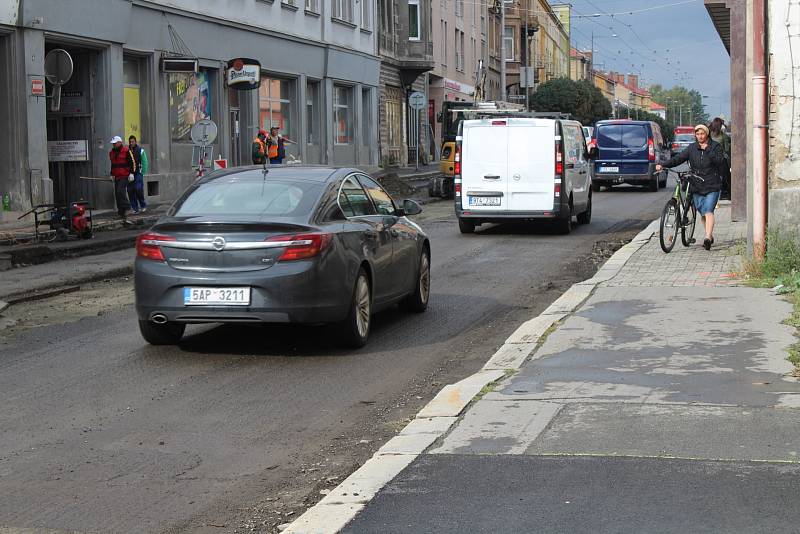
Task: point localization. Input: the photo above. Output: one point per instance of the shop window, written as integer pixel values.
(190, 100)
(276, 105)
(313, 109)
(343, 114)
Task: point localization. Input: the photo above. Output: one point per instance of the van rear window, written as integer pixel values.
(633, 136)
(609, 135)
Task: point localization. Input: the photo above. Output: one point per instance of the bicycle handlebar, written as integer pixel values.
(685, 174)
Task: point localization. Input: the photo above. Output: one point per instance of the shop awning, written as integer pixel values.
(720, 13)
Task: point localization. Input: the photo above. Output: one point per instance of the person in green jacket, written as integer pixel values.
(136, 187)
(717, 133)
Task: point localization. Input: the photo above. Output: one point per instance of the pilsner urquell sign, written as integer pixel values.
(244, 73)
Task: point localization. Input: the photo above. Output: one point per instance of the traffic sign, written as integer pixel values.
(416, 100)
(204, 132)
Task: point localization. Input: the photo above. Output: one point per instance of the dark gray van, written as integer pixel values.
(627, 154)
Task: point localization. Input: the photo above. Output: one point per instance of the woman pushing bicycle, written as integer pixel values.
(705, 156)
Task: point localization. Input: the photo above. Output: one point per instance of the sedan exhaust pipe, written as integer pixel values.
(159, 318)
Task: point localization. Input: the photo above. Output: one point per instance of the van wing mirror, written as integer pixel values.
(593, 153)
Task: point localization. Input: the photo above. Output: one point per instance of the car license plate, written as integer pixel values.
(609, 169)
(216, 296)
(484, 201)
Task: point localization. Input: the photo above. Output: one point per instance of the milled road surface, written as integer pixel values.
(241, 428)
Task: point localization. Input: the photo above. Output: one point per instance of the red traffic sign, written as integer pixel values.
(37, 86)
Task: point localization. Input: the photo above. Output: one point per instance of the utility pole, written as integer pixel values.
(527, 53)
(503, 50)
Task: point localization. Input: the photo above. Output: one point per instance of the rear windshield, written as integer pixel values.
(683, 138)
(634, 135)
(232, 196)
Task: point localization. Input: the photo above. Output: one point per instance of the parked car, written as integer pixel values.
(514, 168)
(681, 141)
(628, 152)
(281, 245)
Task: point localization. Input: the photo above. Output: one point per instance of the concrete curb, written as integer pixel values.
(338, 508)
(45, 290)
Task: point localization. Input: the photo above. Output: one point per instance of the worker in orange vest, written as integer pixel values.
(260, 148)
(276, 144)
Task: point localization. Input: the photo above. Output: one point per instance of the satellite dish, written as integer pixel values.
(58, 68)
(204, 132)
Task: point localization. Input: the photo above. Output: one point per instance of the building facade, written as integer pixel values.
(406, 51)
(319, 85)
(580, 65)
(545, 47)
(460, 37)
(761, 44)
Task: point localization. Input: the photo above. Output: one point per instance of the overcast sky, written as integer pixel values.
(696, 58)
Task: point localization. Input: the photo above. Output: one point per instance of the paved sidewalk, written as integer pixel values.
(661, 402)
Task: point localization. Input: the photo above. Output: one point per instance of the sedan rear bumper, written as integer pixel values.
(296, 292)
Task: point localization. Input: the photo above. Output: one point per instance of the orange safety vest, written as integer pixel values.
(272, 151)
(262, 148)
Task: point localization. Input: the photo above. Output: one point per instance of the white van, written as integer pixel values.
(514, 168)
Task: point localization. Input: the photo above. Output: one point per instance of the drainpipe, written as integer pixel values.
(760, 125)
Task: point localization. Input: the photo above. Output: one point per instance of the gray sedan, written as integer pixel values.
(280, 245)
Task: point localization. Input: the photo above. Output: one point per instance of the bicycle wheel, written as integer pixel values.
(670, 220)
(687, 230)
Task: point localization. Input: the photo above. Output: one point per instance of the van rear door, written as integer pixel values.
(484, 165)
(634, 149)
(531, 164)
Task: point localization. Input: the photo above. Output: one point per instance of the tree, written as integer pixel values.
(684, 106)
(581, 99)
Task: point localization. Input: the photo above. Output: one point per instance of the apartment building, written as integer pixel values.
(405, 42)
(460, 36)
(539, 40)
(319, 74)
(580, 64)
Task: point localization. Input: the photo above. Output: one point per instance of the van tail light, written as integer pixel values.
(559, 160)
(457, 160)
(498, 123)
(457, 187)
(148, 246)
(302, 246)
(558, 189)
(651, 150)
(675, 145)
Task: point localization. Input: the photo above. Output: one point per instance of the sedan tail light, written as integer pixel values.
(147, 246)
(302, 246)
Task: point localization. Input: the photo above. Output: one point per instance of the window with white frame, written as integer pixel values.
(312, 5)
(508, 41)
(343, 114)
(288, 2)
(459, 38)
(366, 15)
(459, 8)
(343, 10)
(414, 20)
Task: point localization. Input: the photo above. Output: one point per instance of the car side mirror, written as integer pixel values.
(593, 153)
(410, 207)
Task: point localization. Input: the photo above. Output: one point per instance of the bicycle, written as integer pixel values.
(679, 213)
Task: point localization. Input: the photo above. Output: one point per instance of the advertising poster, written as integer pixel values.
(132, 114)
(189, 102)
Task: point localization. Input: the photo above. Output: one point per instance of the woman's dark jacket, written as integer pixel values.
(704, 163)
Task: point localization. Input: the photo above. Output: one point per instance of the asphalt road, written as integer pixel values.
(241, 428)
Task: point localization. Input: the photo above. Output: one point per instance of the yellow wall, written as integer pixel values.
(132, 113)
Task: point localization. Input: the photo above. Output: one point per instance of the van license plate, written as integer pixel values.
(216, 296)
(609, 169)
(484, 201)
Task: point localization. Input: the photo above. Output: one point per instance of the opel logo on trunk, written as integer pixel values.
(218, 243)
